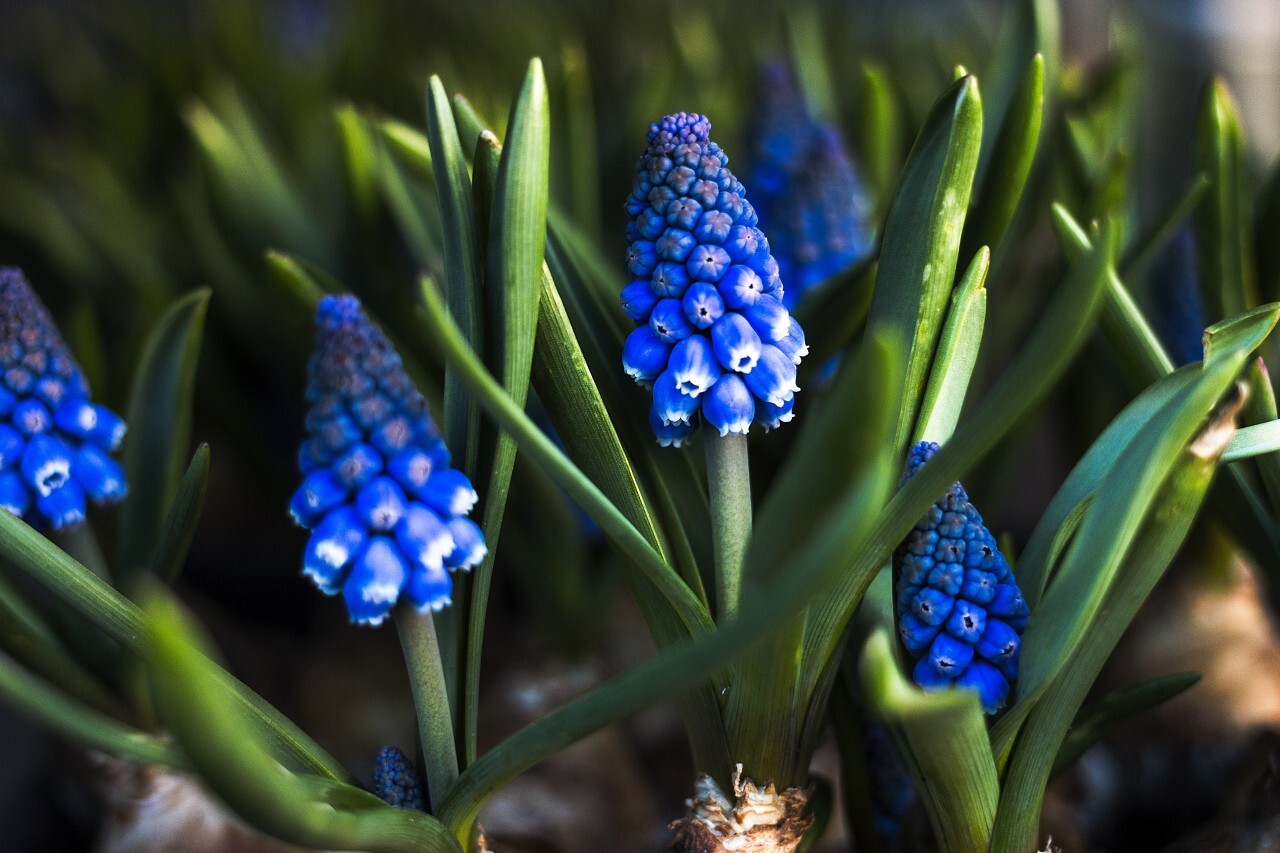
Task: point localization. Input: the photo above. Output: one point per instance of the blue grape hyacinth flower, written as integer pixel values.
(807, 192)
(713, 338)
(54, 441)
(960, 612)
(395, 781)
(386, 512)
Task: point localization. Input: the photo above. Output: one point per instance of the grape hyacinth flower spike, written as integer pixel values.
(960, 612)
(54, 441)
(807, 192)
(395, 782)
(712, 339)
(386, 512)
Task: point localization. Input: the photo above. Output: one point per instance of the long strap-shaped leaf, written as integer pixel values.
(1194, 460)
(946, 738)
(120, 619)
(237, 767)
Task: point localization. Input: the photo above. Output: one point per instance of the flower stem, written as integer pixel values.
(729, 484)
(430, 701)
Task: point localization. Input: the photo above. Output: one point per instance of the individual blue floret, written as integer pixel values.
(960, 612)
(54, 441)
(385, 510)
(713, 338)
(805, 189)
(395, 781)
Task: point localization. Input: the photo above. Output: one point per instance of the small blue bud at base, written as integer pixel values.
(960, 613)
(395, 781)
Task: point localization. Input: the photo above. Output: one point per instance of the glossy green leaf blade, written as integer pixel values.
(675, 668)
(1062, 330)
(32, 643)
(1253, 441)
(1034, 751)
(238, 768)
(1147, 245)
(1063, 514)
(1221, 238)
(304, 283)
(1015, 149)
(461, 264)
(1260, 409)
(949, 754)
(91, 728)
(543, 451)
(878, 132)
(1096, 719)
(159, 418)
(918, 254)
(1125, 495)
(360, 153)
(957, 354)
(516, 247)
(179, 527)
(120, 620)
(1029, 27)
(1131, 337)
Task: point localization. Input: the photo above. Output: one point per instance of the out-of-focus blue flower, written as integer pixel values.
(892, 790)
(713, 339)
(386, 512)
(1179, 306)
(54, 442)
(960, 612)
(395, 781)
(806, 191)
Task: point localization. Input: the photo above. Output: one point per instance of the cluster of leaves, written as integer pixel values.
(507, 218)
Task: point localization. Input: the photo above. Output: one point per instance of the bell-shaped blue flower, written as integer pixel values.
(960, 613)
(395, 781)
(54, 440)
(385, 510)
(805, 189)
(694, 243)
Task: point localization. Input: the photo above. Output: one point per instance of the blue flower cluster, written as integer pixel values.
(395, 781)
(714, 338)
(386, 511)
(807, 193)
(960, 612)
(54, 442)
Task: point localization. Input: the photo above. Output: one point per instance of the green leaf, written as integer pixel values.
(805, 36)
(1005, 176)
(1137, 347)
(516, 246)
(1144, 249)
(675, 668)
(159, 418)
(1072, 601)
(947, 749)
(305, 283)
(461, 264)
(182, 519)
(878, 132)
(1260, 409)
(1029, 27)
(543, 451)
(1035, 750)
(240, 770)
(957, 354)
(65, 716)
(1062, 330)
(918, 254)
(120, 620)
(360, 150)
(1221, 238)
(1096, 719)
(1059, 520)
